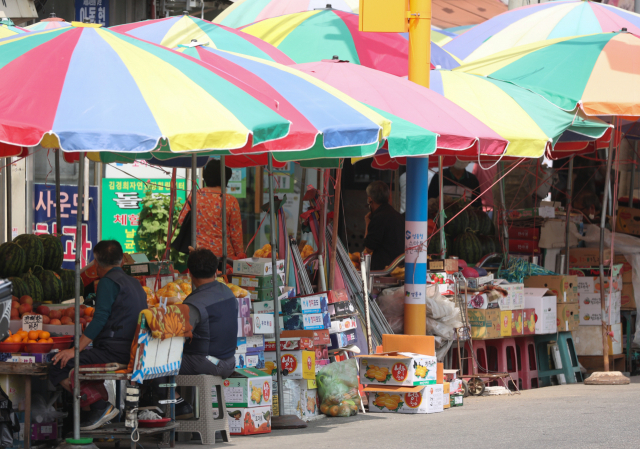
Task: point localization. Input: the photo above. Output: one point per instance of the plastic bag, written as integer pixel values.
(391, 303)
(338, 388)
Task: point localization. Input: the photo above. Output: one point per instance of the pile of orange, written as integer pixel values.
(29, 337)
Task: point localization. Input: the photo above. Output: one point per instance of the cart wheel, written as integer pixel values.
(465, 388)
(476, 386)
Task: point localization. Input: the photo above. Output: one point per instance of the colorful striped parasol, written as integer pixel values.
(245, 12)
(598, 73)
(316, 35)
(10, 30)
(105, 91)
(50, 23)
(178, 30)
(539, 22)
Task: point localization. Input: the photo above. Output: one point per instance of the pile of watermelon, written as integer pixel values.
(33, 264)
(469, 236)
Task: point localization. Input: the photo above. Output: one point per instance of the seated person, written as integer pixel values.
(588, 203)
(457, 182)
(119, 301)
(384, 232)
(213, 313)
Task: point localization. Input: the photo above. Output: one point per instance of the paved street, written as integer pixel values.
(555, 417)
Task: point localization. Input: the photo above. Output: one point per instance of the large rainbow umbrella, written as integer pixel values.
(599, 73)
(98, 90)
(178, 30)
(539, 22)
(10, 30)
(244, 12)
(531, 124)
(316, 35)
(50, 23)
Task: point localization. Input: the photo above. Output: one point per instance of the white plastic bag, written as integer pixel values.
(391, 303)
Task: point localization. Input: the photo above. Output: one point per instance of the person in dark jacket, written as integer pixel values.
(384, 233)
(213, 313)
(119, 301)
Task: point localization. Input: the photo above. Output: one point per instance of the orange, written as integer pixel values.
(44, 335)
(16, 339)
(33, 335)
(21, 332)
(43, 340)
(32, 341)
(49, 340)
(25, 338)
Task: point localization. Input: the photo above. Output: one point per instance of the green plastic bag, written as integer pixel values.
(338, 388)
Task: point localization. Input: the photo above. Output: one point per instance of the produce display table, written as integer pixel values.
(27, 370)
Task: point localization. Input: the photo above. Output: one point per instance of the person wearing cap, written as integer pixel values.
(457, 183)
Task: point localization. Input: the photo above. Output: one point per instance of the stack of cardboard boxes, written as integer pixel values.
(565, 289)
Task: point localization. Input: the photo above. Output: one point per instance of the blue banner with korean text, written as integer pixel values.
(97, 11)
(44, 220)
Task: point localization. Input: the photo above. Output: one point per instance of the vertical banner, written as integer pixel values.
(44, 219)
(122, 204)
(415, 308)
(97, 11)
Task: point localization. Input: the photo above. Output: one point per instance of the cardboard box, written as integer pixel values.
(485, 324)
(568, 317)
(398, 368)
(446, 265)
(255, 266)
(406, 400)
(456, 400)
(259, 282)
(517, 327)
(248, 387)
(628, 220)
(544, 303)
(524, 233)
(244, 307)
(588, 340)
(293, 364)
(446, 396)
(320, 337)
(245, 327)
(505, 323)
(150, 281)
(337, 295)
(528, 321)
(515, 295)
(343, 324)
(338, 309)
(553, 235)
(263, 323)
(591, 284)
(343, 339)
(480, 281)
(591, 309)
(628, 298)
(590, 257)
(241, 345)
(263, 307)
(291, 344)
(299, 400)
(523, 246)
(564, 287)
(249, 421)
(305, 304)
(309, 321)
(480, 301)
(266, 294)
(254, 360)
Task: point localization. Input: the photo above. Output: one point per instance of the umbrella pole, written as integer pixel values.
(632, 183)
(322, 283)
(569, 198)
(223, 189)
(194, 200)
(76, 355)
(58, 213)
(443, 241)
(9, 206)
(333, 266)
(503, 216)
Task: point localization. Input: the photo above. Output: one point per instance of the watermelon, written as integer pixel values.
(69, 283)
(487, 243)
(33, 248)
(34, 286)
(460, 223)
(485, 224)
(52, 287)
(12, 259)
(18, 287)
(53, 252)
(434, 244)
(474, 221)
(468, 247)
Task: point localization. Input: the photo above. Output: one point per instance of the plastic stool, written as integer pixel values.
(480, 349)
(205, 425)
(570, 367)
(527, 364)
(506, 349)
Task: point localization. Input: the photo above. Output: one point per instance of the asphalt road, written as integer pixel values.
(568, 416)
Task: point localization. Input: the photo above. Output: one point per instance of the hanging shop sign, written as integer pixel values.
(97, 11)
(122, 204)
(44, 219)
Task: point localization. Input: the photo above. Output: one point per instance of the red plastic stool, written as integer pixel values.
(505, 352)
(527, 363)
(480, 349)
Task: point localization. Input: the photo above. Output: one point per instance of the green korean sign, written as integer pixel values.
(122, 204)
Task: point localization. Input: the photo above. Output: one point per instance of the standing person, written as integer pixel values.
(209, 206)
(119, 301)
(213, 313)
(384, 232)
(457, 182)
